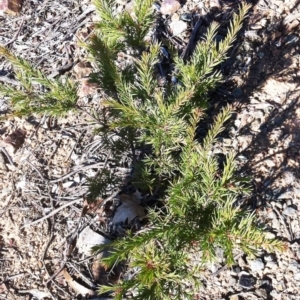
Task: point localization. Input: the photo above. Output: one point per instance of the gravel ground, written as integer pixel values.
(261, 82)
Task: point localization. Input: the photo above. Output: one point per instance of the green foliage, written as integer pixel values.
(200, 211)
(198, 198)
(98, 185)
(125, 29)
(37, 94)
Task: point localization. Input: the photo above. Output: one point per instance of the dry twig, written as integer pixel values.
(52, 213)
(16, 34)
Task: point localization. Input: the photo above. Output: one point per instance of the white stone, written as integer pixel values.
(271, 265)
(289, 211)
(256, 265)
(270, 235)
(88, 239)
(178, 27)
(169, 7)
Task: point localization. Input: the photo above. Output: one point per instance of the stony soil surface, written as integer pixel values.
(261, 82)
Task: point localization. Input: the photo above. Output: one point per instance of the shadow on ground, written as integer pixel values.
(262, 83)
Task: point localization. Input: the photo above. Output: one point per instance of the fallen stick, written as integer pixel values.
(52, 213)
(16, 35)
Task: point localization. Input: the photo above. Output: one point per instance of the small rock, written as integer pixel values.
(77, 178)
(232, 281)
(288, 277)
(289, 211)
(246, 280)
(275, 225)
(214, 4)
(178, 27)
(237, 270)
(88, 239)
(280, 286)
(271, 215)
(241, 262)
(175, 17)
(286, 195)
(234, 297)
(270, 163)
(220, 254)
(294, 267)
(252, 35)
(270, 235)
(256, 265)
(246, 46)
(297, 276)
(242, 158)
(297, 192)
(262, 293)
(212, 267)
(67, 184)
(275, 295)
(169, 7)
(271, 265)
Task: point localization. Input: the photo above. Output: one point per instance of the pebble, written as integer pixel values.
(256, 265)
(178, 27)
(246, 280)
(275, 295)
(271, 215)
(214, 4)
(77, 178)
(232, 281)
(234, 297)
(289, 211)
(237, 270)
(270, 235)
(275, 224)
(262, 293)
(212, 267)
(297, 192)
(297, 276)
(280, 286)
(294, 267)
(271, 265)
(241, 262)
(175, 17)
(220, 254)
(67, 184)
(286, 195)
(169, 7)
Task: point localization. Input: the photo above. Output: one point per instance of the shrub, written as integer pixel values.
(198, 209)
(199, 212)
